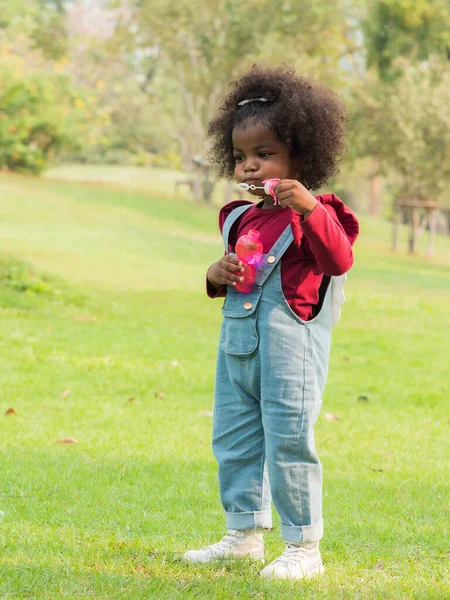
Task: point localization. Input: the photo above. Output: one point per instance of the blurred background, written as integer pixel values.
(108, 222)
(121, 90)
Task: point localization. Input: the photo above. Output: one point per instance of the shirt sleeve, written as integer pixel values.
(213, 293)
(329, 242)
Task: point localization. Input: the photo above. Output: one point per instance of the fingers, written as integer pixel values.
(232, 263)
(285, 198)
(285, 195)
(284, 185)
(231, 269)
(285, 191)
(230, 279)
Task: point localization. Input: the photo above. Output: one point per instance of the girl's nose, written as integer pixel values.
(250, 166)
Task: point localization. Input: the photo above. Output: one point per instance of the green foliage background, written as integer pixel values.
(136, 83)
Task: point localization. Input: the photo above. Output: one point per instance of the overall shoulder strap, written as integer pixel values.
(273, 257)
(231, 220)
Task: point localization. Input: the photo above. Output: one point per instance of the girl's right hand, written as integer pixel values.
(225, 271)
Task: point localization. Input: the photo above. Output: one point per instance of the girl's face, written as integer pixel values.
(260, 155)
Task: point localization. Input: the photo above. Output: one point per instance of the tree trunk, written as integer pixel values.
(414, 229)
(396, 226)
(432, 217)
(208, 189)
(197, 189)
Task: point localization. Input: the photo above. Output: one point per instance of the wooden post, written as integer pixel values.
(414, 227)
(197, 188)
(396, 226)
(432, 214)
(413, 209)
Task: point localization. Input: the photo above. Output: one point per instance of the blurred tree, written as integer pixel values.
(43, 22)
(102, 58)
(12, 11)
(41, 110)
(199, 47)
(406, 125)
(410, 28)
(147, 75)
(39, 115)
(415, 30)
(49, 33)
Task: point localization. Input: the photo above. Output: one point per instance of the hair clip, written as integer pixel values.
(252, 100)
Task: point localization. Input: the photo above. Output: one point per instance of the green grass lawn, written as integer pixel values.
(159, 181)
(107, 337)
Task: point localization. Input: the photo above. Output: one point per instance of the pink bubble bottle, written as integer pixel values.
(249, 250)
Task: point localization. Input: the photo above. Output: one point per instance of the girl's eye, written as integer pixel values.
(264, 154)
(238, 158)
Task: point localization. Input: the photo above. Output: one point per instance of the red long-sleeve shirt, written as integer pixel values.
(322, 246)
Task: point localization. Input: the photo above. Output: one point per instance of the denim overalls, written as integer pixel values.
(271, 372)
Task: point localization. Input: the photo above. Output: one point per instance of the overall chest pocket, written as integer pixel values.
(239, 333)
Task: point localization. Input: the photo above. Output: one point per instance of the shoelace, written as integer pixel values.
(227, 542)
(293, 554)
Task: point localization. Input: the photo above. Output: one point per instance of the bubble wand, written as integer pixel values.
(269, 188)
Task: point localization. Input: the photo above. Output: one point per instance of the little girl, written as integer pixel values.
(275, 340)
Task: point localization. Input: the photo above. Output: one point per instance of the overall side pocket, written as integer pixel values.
(239, 334)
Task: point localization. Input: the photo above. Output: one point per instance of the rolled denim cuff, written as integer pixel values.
(305, 533)
(249, 520)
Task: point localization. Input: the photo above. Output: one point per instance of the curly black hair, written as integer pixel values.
(308, 119)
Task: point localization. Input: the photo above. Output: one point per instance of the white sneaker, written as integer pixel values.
(296, 562)
(237, 544)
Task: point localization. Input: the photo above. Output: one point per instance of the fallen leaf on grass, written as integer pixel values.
(221, 573)
(363, 398)
(11, 411)
(86, 319)
(142, 569)
(131, 399)
(331, 417)
(65, 394)
(160, 395)
(380, 565)
(68, 440)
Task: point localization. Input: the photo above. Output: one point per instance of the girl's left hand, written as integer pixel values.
(292, 193)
